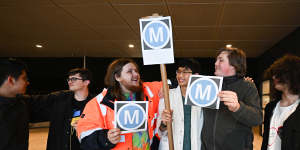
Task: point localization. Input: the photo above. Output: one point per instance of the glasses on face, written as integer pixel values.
(73, 79)
(183, 72)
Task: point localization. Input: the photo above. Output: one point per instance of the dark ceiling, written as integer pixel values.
(104, 28)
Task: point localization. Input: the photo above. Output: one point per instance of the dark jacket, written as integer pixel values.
(290, 136)
(60, 116)
(15, 114)
(226, 130)
(13, 124)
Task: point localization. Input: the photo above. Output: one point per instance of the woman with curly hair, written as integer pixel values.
(282, 115)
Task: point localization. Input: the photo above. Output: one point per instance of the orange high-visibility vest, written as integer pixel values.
(98, 116)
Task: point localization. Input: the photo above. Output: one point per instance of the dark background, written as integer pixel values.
(49, 74)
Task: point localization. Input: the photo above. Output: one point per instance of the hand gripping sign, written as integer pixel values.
(131, 116)
(156, 40)
(203, 90)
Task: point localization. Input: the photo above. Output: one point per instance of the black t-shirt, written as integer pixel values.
(77, 109)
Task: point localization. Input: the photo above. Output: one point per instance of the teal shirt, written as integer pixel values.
(187, 126)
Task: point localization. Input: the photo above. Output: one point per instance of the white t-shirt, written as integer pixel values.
(280, 114)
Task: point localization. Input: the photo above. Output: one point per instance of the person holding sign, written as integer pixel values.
(187, 120)
(229, 128)
(281, 121)
(96, 128)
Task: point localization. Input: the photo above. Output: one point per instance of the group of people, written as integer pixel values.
(81, 120)
(228, 127)
(59, 108)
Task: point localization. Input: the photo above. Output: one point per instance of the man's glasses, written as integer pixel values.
(183, 72)
(73, 79)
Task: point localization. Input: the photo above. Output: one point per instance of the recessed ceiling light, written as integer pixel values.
(130, 45)
(228, 45)
(39, 46)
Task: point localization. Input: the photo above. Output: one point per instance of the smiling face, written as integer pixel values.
(182, 75)
(222, 65)
(129, 78)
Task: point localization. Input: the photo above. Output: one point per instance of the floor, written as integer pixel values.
(257, 139)
(38, 139)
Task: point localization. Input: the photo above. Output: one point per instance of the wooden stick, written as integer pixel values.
(163, 73)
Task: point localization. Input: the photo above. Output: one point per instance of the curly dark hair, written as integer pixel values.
(286, 70)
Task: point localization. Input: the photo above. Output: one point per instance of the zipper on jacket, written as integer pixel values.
(71, 133)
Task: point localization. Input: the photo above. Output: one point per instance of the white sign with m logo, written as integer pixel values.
(131, 116)
(203, 90)
(157, 40)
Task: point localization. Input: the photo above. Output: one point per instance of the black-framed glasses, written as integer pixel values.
(73, 79)
(183, 72)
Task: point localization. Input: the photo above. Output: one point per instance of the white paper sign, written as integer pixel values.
(203, 90)
(157, 40)
(131, 116)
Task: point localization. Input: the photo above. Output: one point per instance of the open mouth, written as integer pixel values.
(181, 80)
(135, 81)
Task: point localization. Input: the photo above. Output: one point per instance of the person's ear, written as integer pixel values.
(117, 78)
(87, 82)
(232, 68)
(11, 80)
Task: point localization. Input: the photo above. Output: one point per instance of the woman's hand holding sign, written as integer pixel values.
(230, 99)
(113, 135)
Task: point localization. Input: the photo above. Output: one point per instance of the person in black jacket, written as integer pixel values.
(229, 127)
(282, 115)
(65, 110)
(15, 110)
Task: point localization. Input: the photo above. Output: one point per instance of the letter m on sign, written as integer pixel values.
(156, 37)
(199, 92)
(131, 119)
